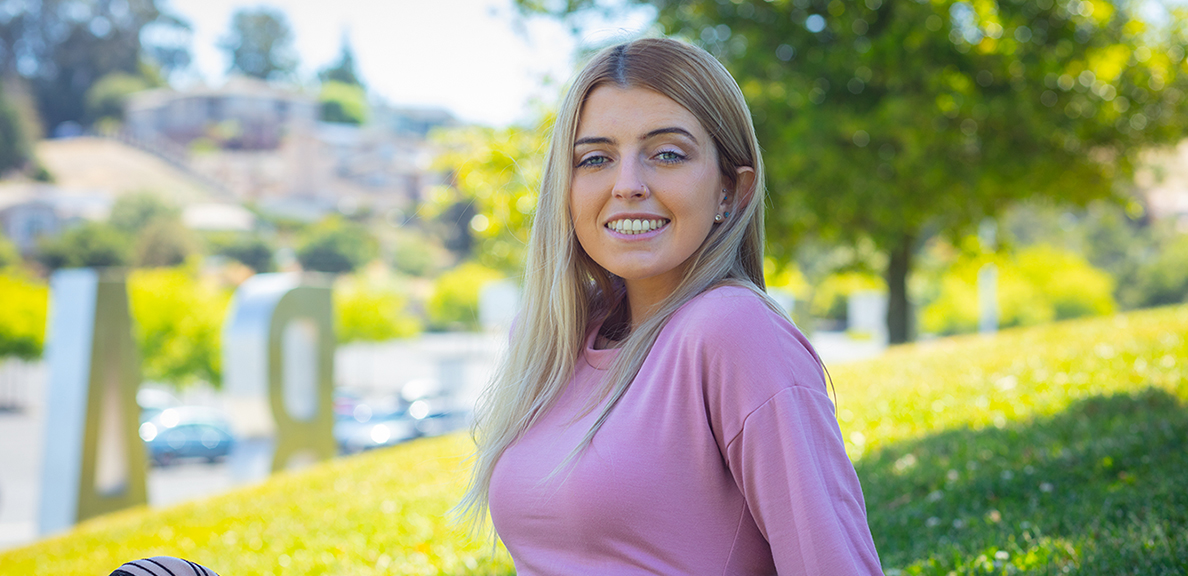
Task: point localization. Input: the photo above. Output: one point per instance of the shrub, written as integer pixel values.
(336, 246)
(22, 316)
(90, 245)
(1162, 279)
(371, 311)
(178, 325)
(454, 302)
(251, 250)
(164, 242)
(1038, 285)
(9, 255)
(133, 212)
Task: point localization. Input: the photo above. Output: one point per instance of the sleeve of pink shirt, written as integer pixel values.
(782, 443)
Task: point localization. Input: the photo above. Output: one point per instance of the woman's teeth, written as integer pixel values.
(635, 226)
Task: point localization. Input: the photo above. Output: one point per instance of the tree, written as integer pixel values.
(131, 213)
(342, 71)
(496, 173)
(343, 103)
(893, 120)
(336, 246)
(62, 47)
(260, 44)
(14, 143)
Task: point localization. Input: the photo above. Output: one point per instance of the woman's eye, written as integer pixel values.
(593, 161)
(670, 156)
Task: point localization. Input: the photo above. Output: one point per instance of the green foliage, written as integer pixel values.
(1163, 279)
(133, 212)
(1038, 284)
(417, 254)
(14, 143)
(178, 324)
(497, 172)
(454, 302)
(9, 255)
(371, 310)
(1047, 450)
(341, 102)
(260, 44)
(22, 317)
(106, 98)
(894, 120)
(64, 47)
(343, 71)
(831, 297)
(335, 245)
(378, 513)
(250, 249)
(164, 242)
(91, 244)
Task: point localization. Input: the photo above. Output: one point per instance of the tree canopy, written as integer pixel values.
(62, 47)
(893, 120)
(260, 44)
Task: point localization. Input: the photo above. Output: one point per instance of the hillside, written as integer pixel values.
(1048, 450)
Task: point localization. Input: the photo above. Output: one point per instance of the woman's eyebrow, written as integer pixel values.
(652, 134)
(593, 140)
(670, 130)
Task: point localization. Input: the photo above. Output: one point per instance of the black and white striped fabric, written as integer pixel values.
(163, 566)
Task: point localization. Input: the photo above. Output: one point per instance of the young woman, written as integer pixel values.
(657, 413)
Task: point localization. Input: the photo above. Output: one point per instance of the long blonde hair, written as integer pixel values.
(565, 291)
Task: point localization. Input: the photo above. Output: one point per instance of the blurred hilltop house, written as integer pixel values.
(264, 144)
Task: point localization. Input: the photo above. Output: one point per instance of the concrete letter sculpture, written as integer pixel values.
(278, 368)
(95, 462)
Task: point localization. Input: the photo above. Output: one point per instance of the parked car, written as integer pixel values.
(187, 432)
(365, 431)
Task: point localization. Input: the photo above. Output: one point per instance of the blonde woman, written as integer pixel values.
(657, 413)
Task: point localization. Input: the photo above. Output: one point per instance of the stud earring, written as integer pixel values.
(718, 218)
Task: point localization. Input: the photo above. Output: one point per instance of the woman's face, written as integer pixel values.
(646, 186)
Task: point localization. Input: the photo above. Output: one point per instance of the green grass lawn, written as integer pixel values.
(1050, 450)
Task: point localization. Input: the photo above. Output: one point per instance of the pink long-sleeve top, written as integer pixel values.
(723, 457)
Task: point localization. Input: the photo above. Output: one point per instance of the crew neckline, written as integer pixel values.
(598, 359)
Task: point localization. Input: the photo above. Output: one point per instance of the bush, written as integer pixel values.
(1162, 279)
(371, 311)
(90, 245)
(831, 297)
(164, 242)
(336, 246)
(343, 103)
(1038, 285)
(178, 325)
(15, 151)
(417, 254)
(9, 255)
(22, 316)
(106, 97)
(133, 212)
(251, 250)
(454, 302)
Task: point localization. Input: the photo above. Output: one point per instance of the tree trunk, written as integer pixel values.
(899, 311)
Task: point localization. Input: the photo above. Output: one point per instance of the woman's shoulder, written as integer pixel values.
(725, 309)
(735, 329)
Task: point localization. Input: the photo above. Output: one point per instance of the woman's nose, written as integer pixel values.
(629, 182)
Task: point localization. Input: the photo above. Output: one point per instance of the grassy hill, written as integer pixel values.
(1050, 450)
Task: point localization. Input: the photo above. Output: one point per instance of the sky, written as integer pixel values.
(477, 58)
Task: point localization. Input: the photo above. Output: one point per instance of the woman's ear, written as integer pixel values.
(744, 188)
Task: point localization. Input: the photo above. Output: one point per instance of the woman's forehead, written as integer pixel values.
(628, 110)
